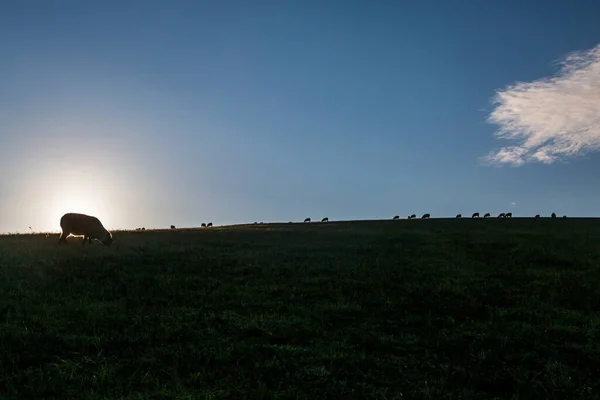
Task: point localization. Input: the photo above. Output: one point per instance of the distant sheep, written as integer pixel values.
(173, 227)
(325, 219)
(203, 225)
(475, 215)
(86, 225)
(307, 220)
(553, 215)
(508, 215)
(537, 215)
(501, 215)
(459, 216)
(209, 225)
(413, 216)
(425, 216)
(564, 216)
(143, 228)
(396, 217)
(486, 215)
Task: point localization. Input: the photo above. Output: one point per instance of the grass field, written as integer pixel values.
(434, 309)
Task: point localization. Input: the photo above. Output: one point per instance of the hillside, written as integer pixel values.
(433, 309)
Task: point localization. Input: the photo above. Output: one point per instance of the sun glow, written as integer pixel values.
(83, 199)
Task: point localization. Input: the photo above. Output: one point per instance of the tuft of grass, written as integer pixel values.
(439, 309)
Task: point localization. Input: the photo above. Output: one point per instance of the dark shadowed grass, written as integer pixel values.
(437, 309)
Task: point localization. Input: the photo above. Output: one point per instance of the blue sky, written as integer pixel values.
(151, 113)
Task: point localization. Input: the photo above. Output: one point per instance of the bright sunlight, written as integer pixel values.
(82, 198)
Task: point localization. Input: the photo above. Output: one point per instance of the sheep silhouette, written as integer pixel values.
(508, 215)
(501, 215)
(203, 225)
(553, 215)
(209, 225)
(307, 220)
(325, 219)
(537, 215)
(487, 215)
(459, 216)
(84, 225)
(396, 217)
(475, 215)
(413, 216)
(425, 216)
(564, 216)
(173, 227)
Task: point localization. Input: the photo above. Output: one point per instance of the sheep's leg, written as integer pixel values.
(62, 238)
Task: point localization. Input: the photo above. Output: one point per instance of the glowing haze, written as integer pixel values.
(152, 113)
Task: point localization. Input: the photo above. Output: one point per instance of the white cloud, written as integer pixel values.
(552, 118)
(513, 204)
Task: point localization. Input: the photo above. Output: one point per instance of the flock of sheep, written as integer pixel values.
(427, 216)
(475, 215)
(203, 225)
(91, 228)
(413, 216)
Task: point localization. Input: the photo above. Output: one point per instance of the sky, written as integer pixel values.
(151, 113)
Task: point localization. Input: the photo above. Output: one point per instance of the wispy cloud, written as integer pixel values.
(553, 118)
(513, 204)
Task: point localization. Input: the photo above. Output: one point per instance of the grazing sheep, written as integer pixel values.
(564, 216)
(537, 215)
(459, 216)
(143, 228)
(425, 216)
(475, 215)
(413, 216)
(501, 215)
(396, 217)
(203, 225)
(86, 225)
(553, 215)
(325, 219)
(173, 227)
(138, 229)
(307, 220)
(508, 215)
(209, 225)
(486, 215)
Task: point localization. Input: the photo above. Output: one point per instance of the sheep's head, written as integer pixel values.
(108, 239)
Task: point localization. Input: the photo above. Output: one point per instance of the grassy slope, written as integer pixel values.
(440, 309)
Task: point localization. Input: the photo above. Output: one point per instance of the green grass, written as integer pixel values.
(436, 309)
